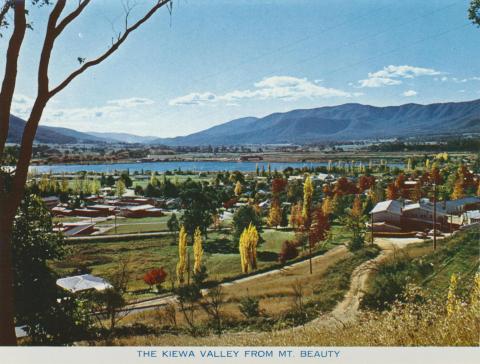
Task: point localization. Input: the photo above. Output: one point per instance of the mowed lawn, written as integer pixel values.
(221, 256)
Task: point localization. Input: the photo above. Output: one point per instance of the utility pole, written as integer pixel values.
(434, 216)
(371, 228)
(310, 253)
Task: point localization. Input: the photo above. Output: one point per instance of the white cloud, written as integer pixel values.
(394, 75)
(22, 105)
(194, 98)
(275, 87)
(410, 93)
(131, 102)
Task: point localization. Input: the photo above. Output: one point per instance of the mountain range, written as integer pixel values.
(332, 123)
(343, 122)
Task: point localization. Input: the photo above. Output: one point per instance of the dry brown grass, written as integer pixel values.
(407, 324)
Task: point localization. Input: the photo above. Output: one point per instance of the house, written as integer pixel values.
(106, 210)
(62, 211)
(86, 212)
(324, 177)
(73, 229)
(84, 282)
(471, 217)
(142, 211)
(388, 212)
(51, 201)
(419, 216)
(456, 207)
(265, 205)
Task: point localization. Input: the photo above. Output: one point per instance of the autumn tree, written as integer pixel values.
(344, 186)
(12, 185)
(458, 189)
(197, 250)
(296, 220)
(327, 206)
(307, 202)
(354, 221)
(392, 192)
(275, 214)
(238, 189)
(182, 255)
(320, 226)
(248, 249)
(155, 277)
(278, 186)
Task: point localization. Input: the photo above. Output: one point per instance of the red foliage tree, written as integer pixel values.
(230, 203)
(392, 192)
(278, 186)
(320, 227)
(327, 191)
(155, 277)
(365, 182)
(344, 187)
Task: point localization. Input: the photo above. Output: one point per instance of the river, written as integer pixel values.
(199, 166)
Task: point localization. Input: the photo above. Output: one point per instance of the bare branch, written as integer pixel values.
(121, 38)
(72, 16)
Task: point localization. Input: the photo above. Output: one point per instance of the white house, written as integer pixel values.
(83, 282)
(471, 217)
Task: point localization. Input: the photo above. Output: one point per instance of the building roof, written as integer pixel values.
(473, 214)
(427, 206)
(454, 204)
(392, 206)
(140, 207)
(76, 228)
(82, 283)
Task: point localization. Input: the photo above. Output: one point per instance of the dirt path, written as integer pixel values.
(261, 284)
(347, 310)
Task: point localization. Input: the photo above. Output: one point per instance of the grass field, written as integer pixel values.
(221, 256)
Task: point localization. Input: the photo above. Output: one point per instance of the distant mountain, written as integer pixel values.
(48, 134)
(343, 122)
(56, 135)
(123, 137)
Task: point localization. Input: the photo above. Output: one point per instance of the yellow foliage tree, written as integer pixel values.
(275, 215)
(327, 206)
(238, 189)
(307, 200)
(182, 255)
(248, 248)
(197, 250)
(458, 190)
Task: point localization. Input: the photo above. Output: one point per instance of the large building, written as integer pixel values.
(394, 215)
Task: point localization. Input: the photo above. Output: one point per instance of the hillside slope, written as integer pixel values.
(343, 122)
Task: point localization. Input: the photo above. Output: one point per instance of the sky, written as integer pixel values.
(211, 61)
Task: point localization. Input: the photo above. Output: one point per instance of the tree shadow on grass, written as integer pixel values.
(220, 246)
(267, 256)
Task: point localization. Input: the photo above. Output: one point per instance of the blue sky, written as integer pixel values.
(215, 60)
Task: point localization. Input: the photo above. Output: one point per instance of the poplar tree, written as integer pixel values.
(238, 189)
(197, 250)
(307, 201)
(182, 255)
(275, 215)
(248, 249)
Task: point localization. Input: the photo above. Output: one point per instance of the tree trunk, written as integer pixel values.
(7, 326)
